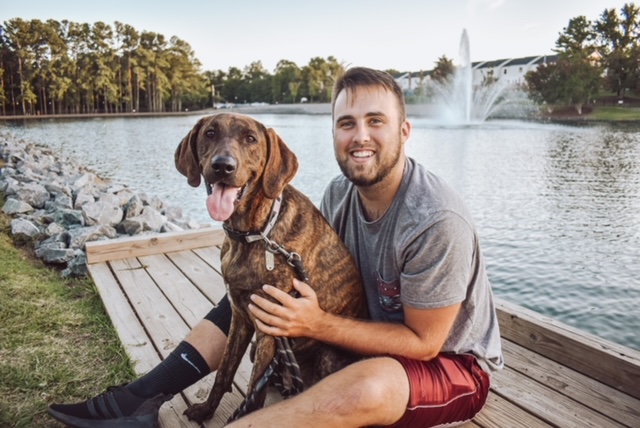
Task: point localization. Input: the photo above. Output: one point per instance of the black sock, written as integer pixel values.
(182, 368)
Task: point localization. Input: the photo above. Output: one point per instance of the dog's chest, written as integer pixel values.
(247, 267)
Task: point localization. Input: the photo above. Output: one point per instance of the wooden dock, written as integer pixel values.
(155, 289)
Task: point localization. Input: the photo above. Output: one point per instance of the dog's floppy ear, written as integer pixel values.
(282, 165)
(186, 156)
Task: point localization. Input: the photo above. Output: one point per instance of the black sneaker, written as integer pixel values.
(118, 407)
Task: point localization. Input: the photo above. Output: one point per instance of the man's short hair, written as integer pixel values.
(362, 76)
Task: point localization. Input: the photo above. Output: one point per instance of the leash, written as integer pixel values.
(284, 361)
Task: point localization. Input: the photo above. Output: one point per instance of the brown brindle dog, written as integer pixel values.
(247, 167)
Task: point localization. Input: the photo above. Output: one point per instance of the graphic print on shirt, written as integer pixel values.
(389, 294)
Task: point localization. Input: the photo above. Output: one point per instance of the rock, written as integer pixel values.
(101, 213)
(83, 180)
(34, 194)
(13, 206)
(58, 206)
(171, 227)
(130, 227)
(76, 268)
(83, 197)
(68, 218)
(151, 219)
(173, 213)
(55, 255)
(54, 229)
(24, 231)
(134, 207)
(80, 235)
(63, 201)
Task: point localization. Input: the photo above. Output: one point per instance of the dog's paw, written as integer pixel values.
(199, 412)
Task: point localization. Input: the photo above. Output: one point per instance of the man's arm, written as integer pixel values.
(421, 337)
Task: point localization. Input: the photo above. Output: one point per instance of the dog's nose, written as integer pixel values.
(223, 165)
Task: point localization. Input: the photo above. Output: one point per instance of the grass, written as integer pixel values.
(616, 113)
(56, 342)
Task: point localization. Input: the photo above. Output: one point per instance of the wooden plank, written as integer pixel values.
(170, 414)
(133, 337)
(211, 255)
(605, 399)
(610, 363)
(144, 245)
(165, 327)
(199, 392)
(499, 412)
(545, 403)
(190, 303)
(200, 273)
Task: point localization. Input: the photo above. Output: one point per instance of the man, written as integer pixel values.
(433, 338)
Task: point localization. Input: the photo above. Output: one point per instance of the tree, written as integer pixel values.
(577, 38)
(571, 80)
(617, 39)
(128, 41)
(20, 38)
(184, 75)
(259, 83)
(443, 70)
(287, 73)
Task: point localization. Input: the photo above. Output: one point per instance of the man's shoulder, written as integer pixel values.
(334, 196)
(429, 199)
(424, 185)
(337, 188)
(339, 182)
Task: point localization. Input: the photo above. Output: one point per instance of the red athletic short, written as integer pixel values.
(450, 389)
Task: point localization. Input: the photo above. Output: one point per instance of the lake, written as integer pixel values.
(557, 207)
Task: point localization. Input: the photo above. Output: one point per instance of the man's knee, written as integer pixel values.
(378, 383)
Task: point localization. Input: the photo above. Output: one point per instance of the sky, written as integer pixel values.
(407, 35)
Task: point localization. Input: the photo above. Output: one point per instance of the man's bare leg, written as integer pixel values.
(369, 392)
(209, 341)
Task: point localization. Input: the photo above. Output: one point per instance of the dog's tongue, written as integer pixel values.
(220, 202)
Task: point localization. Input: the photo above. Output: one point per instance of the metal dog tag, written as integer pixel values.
(270, 260)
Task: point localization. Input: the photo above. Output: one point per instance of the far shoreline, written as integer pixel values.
(416, 110)
(322, 108)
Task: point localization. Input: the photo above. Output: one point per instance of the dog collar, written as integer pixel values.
(253, 236)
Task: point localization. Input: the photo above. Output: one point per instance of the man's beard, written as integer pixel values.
(359, 176)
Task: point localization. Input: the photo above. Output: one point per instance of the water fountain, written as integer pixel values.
(459, 102)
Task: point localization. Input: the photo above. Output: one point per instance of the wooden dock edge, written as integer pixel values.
(145, 245)
(610, 363)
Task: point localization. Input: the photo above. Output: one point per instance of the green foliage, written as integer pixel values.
(604, 53)
(443, 70)
(56, 341)
(617, 39)
(66, 67)
(572, 80)
(616, 114)
(58, 67)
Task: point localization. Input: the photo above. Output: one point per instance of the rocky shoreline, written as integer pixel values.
(57, 206)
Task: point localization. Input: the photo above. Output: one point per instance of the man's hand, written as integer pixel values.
(293, 317)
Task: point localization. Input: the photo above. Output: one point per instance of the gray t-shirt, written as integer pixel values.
(423, 253)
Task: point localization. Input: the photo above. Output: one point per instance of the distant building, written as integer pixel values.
(409, 81)
(510, 70)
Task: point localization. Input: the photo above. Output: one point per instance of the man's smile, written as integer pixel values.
(362, 154)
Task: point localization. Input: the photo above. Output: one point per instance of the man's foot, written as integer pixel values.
(118, 407)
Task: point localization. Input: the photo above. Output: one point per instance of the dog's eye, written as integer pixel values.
(210, 133)
(251, 139)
